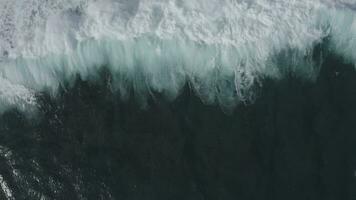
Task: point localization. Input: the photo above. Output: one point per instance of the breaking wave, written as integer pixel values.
(222, 49)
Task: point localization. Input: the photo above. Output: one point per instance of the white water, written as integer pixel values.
(221, 47)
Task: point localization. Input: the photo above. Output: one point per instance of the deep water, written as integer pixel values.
(296, 141)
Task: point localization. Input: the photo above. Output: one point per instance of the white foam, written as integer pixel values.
(14, 95)
(221, 47)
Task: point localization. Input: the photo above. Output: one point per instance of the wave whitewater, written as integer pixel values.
(221, 48)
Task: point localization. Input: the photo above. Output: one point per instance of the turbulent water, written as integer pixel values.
(177, 99)
(221, 48)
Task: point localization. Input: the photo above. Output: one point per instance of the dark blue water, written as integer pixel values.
(296, 141)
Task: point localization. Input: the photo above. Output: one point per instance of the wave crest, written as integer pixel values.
(222, 49)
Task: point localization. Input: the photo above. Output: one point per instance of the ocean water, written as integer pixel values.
(163, 99)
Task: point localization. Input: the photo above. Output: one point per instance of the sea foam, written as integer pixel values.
(222, 48)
